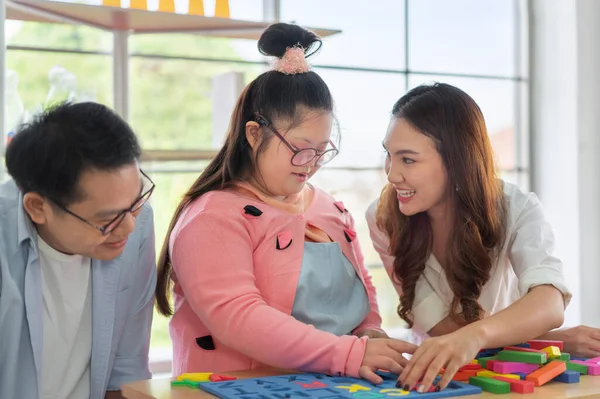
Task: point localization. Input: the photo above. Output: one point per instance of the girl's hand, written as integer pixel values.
(384, 354)
(372, 334)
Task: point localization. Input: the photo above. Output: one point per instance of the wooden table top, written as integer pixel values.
(587, 388)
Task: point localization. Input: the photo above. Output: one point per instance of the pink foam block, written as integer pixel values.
(594, 360)
(490, 364)
(513, 367)
(593, 368)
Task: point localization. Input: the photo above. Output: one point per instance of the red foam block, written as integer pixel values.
(519, 386)
(542, 343)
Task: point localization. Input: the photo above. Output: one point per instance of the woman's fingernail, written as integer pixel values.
(406, 387)
(398, 384)
(437, 388)
(421, 389)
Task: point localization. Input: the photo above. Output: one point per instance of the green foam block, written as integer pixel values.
(522, 357)
(483, 360)
(580, 368)
(490, 385)
(565, 357)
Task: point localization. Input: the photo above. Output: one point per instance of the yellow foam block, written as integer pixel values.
(552, 351)
(474, 361)
(490, 374)
(194, 377)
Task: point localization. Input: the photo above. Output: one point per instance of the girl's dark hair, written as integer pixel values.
(274, 95)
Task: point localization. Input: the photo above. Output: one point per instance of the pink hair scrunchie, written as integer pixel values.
(293, 61)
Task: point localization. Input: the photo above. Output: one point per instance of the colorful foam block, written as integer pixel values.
(542, 343)
(470, 367)
(483, 360)
(568, 377)
(521, 349)
(491, 374)
(464, 375)
(490, 385)
(185, 383)
(565, 357)
(523, 345)
(518, 385)
(521, 375)
(547, 373)
(592, 368)
(552, 351)
(523, 357)
(584, 359)
(580, 368)
(194, 377)
(487, 353)
(513, 367)
(489, 365)
(219, 378)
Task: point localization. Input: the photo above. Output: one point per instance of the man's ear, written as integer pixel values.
(36, 207)
(252, 133)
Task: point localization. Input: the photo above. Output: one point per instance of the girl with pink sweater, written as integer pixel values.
(266, 269)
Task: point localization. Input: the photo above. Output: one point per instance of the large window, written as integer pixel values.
(385, 48)
(390, 46)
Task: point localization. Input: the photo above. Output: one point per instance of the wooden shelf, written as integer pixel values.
(137, 21)
(178, 155)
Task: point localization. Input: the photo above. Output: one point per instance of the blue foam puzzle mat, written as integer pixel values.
(311, 385)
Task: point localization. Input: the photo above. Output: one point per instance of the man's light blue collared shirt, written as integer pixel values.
(122, 301)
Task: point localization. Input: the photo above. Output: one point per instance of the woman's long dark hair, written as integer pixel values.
(455, 123)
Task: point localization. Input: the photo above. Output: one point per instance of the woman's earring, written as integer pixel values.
(457, 189)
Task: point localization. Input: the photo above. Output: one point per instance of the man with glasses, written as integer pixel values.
(77, 260)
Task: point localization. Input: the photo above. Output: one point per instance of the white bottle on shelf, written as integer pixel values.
(63, 86)
(14, 111)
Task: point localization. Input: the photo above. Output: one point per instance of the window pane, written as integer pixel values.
(521, 179)
(168, 192)
(78, 37)
(496, 100)
(462, 36)
(93, 74)
(372, 33)
(171, 104)
(363, 110)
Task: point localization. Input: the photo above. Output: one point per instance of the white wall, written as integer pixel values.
(565, 123)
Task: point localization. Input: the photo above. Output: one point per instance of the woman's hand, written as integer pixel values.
(384, 354)
(580, 341)
(451, 351)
